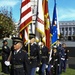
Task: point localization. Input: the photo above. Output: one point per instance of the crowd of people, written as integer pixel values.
(33, 57)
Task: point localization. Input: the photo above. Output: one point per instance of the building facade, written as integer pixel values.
(67, 29)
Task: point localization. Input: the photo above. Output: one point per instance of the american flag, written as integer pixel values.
(25, 19)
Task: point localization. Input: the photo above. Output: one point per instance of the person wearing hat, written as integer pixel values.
(44, 58)
(54, 61)
(19, 58)
(5, 54)
(34, 53)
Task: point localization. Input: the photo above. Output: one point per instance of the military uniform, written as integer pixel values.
(18, 63)
(18, 60)
(34, 54)
(44, 59)
(62, 59)
(5, 54)
(66, 52)
(60, 55)
(54, 62)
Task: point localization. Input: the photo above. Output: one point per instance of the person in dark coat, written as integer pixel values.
(18, 58)
(44, 58)
(65, 56)
(62, 57)
(34, 53)
(59, 47)
(5, 54)
(54, 61)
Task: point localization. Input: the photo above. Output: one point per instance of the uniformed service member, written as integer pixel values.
(62, 57)
(19, 58)
(54, 61)
(44, 58)
(5, 54)
(34, 53)
(65, 56)
(58, 44)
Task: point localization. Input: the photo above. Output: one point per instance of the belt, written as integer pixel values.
(18, 66)
(44, 56)
(32, 57)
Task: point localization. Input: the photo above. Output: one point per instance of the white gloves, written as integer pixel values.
(46, 66)
(37, 69)
(39, 43)
(7, 63)
(51, 66)
(62, 58)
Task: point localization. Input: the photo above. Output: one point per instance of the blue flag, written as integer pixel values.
(54, 26)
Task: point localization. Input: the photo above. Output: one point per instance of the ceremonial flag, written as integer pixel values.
(46, 23)
(25, 19)
(54, 27)
(40, 31)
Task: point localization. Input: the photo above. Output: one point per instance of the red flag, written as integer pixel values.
(25, 19)
(46, 23)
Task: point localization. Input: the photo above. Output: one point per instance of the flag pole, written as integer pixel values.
(28, 44)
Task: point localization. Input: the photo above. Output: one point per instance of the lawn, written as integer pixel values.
(69, 71)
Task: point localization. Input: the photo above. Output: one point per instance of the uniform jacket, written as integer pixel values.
(18, 62)
(34, 54)
(45, 55)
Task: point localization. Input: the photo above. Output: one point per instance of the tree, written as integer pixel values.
(6, 23)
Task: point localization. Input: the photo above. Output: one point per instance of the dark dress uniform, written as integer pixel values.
(62, 59)
(66, 52)
(34, 56)
(18, 58)
(59, 48)
(5, 54)
(54, 63)
(44, 59)
(18, 62)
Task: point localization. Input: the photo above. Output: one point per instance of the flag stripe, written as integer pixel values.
(25, 23)
(25, 2)
(25, 12)
(25, 19)
(25, 7)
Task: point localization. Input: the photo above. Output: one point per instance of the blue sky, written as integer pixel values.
(66, 9)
